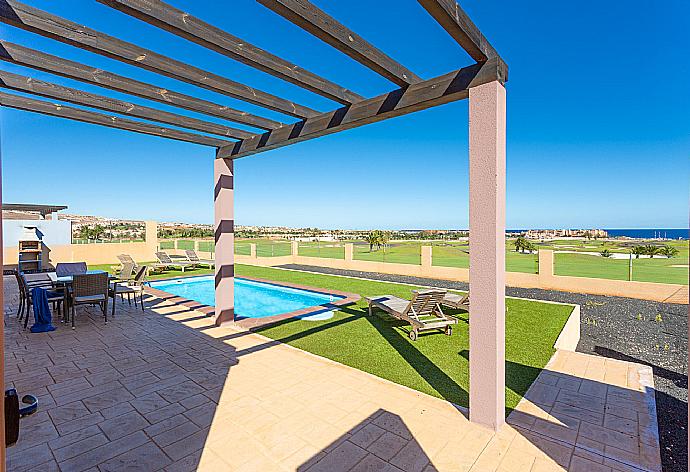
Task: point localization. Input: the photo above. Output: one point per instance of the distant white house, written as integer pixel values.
(544, 234)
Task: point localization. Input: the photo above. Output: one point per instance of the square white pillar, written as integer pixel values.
(224, 226)
(487, 142)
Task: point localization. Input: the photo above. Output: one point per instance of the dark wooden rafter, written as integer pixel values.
(38, 60)
(178, 22)
(313, 20)
(45, 24)
(50, 90)
(429, 93)
(413, 95)
(458, 24)
(61, 111)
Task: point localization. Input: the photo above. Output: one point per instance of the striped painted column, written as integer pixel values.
(2, 342)
(487, 253)
(224, 226)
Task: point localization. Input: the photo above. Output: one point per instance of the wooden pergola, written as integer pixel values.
(482, 83)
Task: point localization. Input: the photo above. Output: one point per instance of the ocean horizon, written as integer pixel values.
(641, 233)
(666, 233)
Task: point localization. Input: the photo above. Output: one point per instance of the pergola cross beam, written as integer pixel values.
(315, 21)
(25, 84)
(458, 24)
(426, 94)
(38, 60)
(182, 24)
(53, 109)
(45, 24)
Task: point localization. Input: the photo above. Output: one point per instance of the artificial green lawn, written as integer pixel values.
(644, 270)
(456, 254)
(167, 274)
(435, 364)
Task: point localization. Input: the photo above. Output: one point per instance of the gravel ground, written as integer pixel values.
(646, 332)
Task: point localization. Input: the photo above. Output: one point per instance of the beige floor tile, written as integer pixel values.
(516, 460)
(281, 409)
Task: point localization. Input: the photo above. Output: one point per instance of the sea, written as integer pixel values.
(650, 233)
(673, 233)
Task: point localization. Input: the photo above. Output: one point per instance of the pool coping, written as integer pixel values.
(253, 323)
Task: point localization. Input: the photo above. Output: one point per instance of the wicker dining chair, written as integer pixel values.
(130, 288)
(22, 294)
(24, 279)
(126, 272)
(27, 282)
(125, 275)
(90, 289)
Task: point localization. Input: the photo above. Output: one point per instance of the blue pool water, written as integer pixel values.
(252, 299)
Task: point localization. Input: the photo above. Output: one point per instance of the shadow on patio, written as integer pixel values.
(167, 389)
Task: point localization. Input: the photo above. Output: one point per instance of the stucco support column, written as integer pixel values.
(2, 345)
(349, 251)
(224, 226)
(151, 238)
(426, 258)
(487, 142)
(545, 267)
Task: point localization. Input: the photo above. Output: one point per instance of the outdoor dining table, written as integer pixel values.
(66, 281)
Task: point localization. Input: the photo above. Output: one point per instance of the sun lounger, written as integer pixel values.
(192, 257)
(127, 259)
(423, 312)
(165, 261)
(457, 301)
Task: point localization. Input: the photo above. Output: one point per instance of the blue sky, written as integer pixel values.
(598, 122)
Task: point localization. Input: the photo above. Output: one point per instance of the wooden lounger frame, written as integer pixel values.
(423, 312)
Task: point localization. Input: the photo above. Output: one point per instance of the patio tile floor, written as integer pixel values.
(166, 390)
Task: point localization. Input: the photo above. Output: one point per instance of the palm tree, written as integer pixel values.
(384, 238)
(668, 251)
(651, 250)
(522, 244)
(97, 232)
(372, 238)
(637, 250)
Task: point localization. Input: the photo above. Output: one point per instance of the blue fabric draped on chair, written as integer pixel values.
(42, 314)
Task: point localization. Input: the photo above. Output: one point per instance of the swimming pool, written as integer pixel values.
(253, 299)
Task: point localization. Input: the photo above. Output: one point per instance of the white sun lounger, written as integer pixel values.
(165, 261)
(192, 257)
(457, 301)
(423, 312)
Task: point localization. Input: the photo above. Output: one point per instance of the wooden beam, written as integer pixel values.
(429, 93)
(45, 24)
(50, 90)
(60, 111)
(313, 20)
(182, 24)
(458, 24)
(38, 60)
